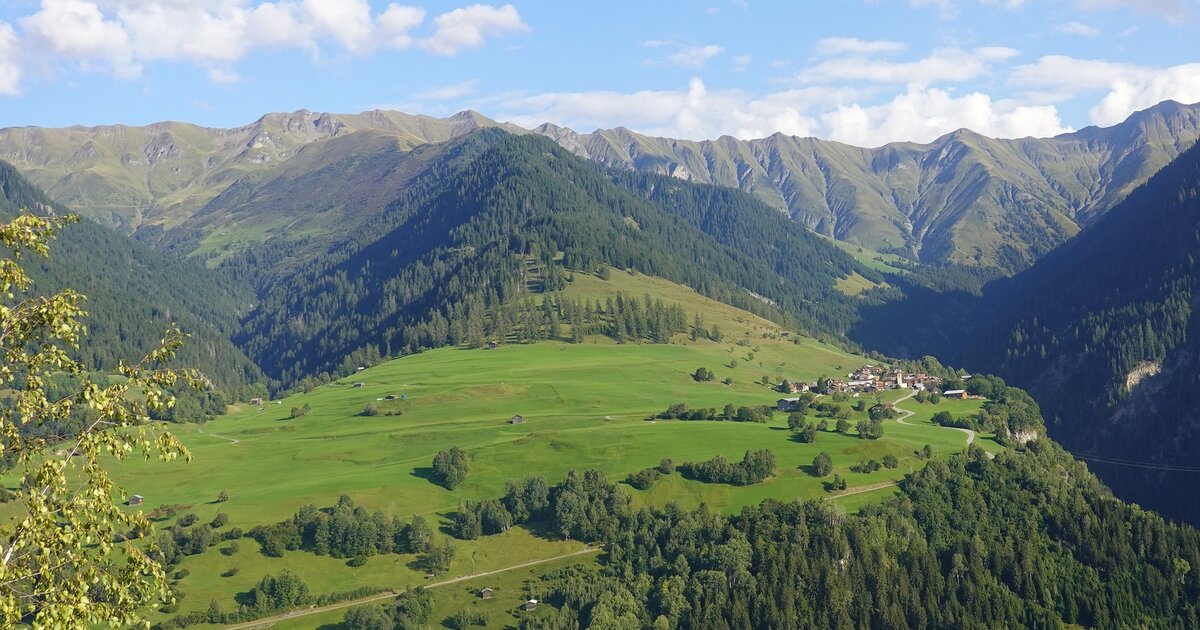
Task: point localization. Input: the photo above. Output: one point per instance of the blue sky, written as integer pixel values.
(864, 72)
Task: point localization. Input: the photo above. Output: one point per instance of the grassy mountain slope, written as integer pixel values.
(134, 293)
(158, 175)
(963, 198)
(459, 237)
(580, 412)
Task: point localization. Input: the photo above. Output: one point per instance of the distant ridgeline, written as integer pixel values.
(459, 250)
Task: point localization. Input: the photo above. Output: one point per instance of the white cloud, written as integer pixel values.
(10, 69)
(396, 23)
(347, 21)
(124, 35)
(1179, 83)
(1064, 77)
(1078, 28)
(833, 46)
(448, 92)
(922, 114)
(469, 26)
(1127, 87)
(77, 29)
(944, 64)
(694, 113)
(694, 56)
(741, 62)
(918, 114)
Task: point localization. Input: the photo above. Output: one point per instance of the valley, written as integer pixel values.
(581, 410)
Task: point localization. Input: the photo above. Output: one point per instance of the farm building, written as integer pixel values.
(787, 404)
(492, 345)
(485, 593)
(518, 419)
(530, 605)
(358, 385)
(955, 393)
(256, 401)
(390, 397)
(136, 499)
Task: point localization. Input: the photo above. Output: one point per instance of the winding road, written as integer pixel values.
(904, 414)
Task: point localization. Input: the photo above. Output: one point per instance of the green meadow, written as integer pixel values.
(585, 406)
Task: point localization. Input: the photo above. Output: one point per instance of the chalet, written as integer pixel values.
(530, 605)
(136, 499)
(955, 393)
(485, 593)
(256, 402)
(787, 404)
(358, 385)
(518, 419)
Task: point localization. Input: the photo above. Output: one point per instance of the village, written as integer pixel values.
(868, 379)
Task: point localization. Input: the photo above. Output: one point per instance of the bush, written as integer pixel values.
(754, 467)
(370, 410)
(219, 521)
(450, 467)
(890, 461)
(231, 549)
(822, 464)
(666, 466)
(356, 561)
(187, 519)
(643, 478)
(703, 375)
(869, 466)
(232, 571)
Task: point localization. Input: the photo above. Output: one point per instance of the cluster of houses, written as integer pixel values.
(867, 379)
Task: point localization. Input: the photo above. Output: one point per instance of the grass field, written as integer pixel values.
(585, 406)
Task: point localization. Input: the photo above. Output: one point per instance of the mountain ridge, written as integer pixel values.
(962, 199)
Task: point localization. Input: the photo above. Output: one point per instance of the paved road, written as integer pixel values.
(270, 621)
(904, 413)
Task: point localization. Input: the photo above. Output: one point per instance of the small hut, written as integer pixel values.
(530, 605)
(485, 593)
(136, 499)
(518, 419)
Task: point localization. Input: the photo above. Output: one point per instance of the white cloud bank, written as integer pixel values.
(124, 35)
(919, 114)
(1126, 88)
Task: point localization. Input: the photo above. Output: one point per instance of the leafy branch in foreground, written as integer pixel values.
(62, 564)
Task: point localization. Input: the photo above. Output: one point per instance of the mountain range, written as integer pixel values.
(964, 199)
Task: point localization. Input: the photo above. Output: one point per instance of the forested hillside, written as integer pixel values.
(134, 293)
(1102, 331)
(461, 238)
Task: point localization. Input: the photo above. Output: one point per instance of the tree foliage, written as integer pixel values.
(59, 561)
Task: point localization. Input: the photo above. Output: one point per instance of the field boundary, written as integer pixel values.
(267, 622)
